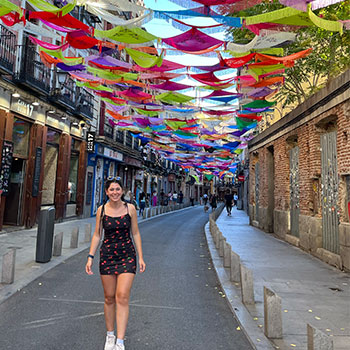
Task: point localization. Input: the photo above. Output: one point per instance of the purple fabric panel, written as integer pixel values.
(78, 67)
(261, 92)
(110, 61)
(300, 5)
(257, 110)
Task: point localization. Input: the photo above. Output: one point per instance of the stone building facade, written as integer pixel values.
(299, 175)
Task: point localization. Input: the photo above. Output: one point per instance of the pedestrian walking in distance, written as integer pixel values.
(117, 259)
(228, 202)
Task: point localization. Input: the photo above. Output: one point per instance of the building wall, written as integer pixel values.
(327, 111)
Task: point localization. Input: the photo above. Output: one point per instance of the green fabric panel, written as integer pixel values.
(45, 6)
(209, 177)
(170, 97)
(55, 53)
(175, 124)
(286, 15)
(7, 6)
(112, 102)
(144, 59)
(99, 87)
(259, 104)
(104, 74)
(238, 151)
(255, 71)
(333, 26)
(126, 35)
(149, 113)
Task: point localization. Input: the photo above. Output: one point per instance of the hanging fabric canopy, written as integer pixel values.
(291, 16)
(302, 5)
(126, 35)
(7, 6)
(173, 97)
(192, 40)
(145, 60)
(80, 40)
(237, 62)
(166, 66)
(170, 86)
(47, 7)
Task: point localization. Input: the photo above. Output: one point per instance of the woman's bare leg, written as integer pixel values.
(124, 284)
(109, 283)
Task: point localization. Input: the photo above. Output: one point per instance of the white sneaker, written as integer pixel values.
(110, 342)
(119, 347)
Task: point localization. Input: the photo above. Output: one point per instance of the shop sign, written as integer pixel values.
(22, 107)
(132, 161)
(139, 175)
(6, 162)
(90, 141)
(37, 171)
(171, 177)
(113, 154)
(240, 177)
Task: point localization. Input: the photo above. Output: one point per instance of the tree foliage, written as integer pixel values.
(329, 58)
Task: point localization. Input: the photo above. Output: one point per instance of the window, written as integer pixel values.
(73, 178)
(20, 136)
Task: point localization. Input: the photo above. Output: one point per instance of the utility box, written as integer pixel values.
(45, 233)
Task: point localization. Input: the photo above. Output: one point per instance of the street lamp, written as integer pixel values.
(61, 77)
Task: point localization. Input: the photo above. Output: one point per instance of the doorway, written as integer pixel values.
(14, 200)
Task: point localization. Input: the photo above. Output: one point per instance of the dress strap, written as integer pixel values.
(127, 207)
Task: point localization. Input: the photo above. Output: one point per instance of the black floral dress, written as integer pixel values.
(117, 252)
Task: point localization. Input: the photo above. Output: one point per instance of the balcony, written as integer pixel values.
(66, 94)
(32, 72)
(8, 50)
(85, 103)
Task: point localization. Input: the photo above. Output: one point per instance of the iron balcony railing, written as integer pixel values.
(32, 71)
(66, 93)
(85, 102)
(8, 49)
(128, 140)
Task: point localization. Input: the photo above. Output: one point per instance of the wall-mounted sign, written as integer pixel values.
(113, 154)
(6, 162)
(240, 177)
(22, 107)
(37, 171)
(132, 161)
(90, 141)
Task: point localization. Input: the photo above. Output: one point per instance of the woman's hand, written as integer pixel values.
(88, 266)
(142, 265)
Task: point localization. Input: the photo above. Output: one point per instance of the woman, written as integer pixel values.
(117, 259)
(213, 202)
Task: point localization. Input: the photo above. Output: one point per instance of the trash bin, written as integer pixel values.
(45, 233)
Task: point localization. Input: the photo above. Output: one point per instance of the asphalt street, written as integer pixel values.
(176, 304)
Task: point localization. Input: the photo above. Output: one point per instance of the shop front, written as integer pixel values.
(103, 163)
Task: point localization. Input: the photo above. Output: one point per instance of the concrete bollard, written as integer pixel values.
(227, 255)
(149, 212)
(74, 239)
(87, 233)
(317, 340)
(8, 267)
(218, 239)
(247, 285)
(235, 271)
(222, 246)
(57, 244)
(272, 314)
(144, 214)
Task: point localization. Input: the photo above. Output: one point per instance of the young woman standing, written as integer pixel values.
(117, 259)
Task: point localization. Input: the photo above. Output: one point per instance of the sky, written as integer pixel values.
(163, 29)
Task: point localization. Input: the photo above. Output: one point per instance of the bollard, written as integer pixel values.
(272, 314)
(227, 255)
(235, 271)
(247, 285)
(74, 238)
(144, 214)
(222, 244)
(87, 233)
(317, 340)
(219, 238)
(8, 267)
(57, 244)
(148, 212)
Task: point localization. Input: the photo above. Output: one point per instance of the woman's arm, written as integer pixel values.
(137, 237)
(95, 241)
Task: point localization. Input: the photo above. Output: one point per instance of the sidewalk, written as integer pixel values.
(311, 291)
(26, 269)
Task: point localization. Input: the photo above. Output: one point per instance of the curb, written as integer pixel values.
(255, 335)
(10, 289)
